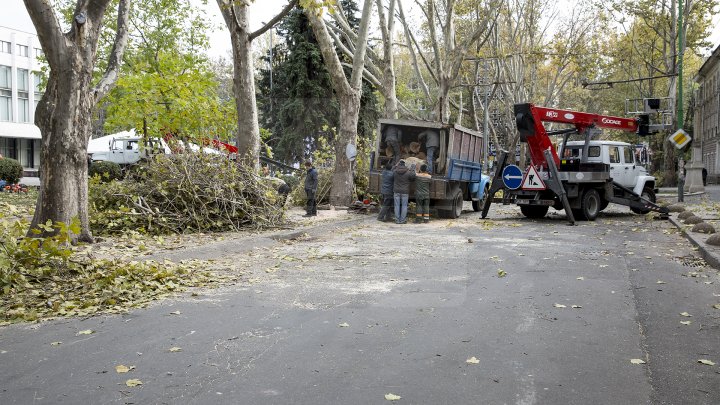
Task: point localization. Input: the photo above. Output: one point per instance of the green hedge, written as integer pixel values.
(107, 171)
(10, 170)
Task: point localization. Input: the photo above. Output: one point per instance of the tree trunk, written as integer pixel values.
(248, 136)
(342, 192)
(63, 155)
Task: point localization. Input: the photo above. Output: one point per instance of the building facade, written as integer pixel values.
(20, 79)
(707, 114)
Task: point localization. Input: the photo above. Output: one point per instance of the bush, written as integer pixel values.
(107, 171)
(10, 170)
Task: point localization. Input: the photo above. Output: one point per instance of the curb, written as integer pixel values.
(712, 258)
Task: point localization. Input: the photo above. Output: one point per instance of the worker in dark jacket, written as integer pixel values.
(401, 190)
(311, 184)
(431, 137)
(422, 195)
(393, 136)
(386, 189)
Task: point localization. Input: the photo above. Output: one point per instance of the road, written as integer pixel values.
(347, 312)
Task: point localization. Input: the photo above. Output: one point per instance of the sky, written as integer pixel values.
(15, 16)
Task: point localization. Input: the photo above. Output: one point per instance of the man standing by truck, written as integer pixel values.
(393, 136)
(311, 184)
(422, 195)
(386, 189)
(431, 138)
(401, 188)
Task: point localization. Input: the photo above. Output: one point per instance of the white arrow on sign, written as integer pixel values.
(508, 177)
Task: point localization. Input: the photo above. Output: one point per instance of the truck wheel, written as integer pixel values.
(534, 211)
(590, 205)
(457, 204)
(478, 205)
(647, 194)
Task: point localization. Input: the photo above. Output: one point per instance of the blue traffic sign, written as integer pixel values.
(512, 177)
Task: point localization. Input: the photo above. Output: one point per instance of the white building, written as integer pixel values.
(19, 94)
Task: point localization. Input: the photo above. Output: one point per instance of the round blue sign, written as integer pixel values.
(512, 177)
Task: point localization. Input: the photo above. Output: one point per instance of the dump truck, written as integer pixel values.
(457, 164)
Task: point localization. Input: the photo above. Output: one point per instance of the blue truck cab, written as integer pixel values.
(457, 167)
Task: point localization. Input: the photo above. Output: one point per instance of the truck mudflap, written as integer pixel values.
(628, 197)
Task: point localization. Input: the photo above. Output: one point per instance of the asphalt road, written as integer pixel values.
(347, 313)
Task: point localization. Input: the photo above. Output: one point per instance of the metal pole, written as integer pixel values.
(486, 136)
(681, 51)
(679, 104)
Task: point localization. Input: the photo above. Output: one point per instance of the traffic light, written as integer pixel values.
(644, 124)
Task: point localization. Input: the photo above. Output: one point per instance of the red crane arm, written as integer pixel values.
(529, 120)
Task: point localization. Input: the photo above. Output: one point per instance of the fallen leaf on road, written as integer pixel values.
(344, 325)
(706, 362)
(502, 273)
(86, 332)
(660, 282)
(175, 349)
(686, 322)
(55, 343)
(134, 382)
(685, 314)
(581, 278)
(707, 282)
(576, 306)
(559, 306)
(175, 313)
(472, 360)
(470, 240)
(716, 306)
(637, 361)
(392, 397)
(123, 369)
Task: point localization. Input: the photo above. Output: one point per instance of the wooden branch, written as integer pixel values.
(327, 49)
(274, 21)
(48, 29)
(361, 46)
(115, 59)
(413, 57)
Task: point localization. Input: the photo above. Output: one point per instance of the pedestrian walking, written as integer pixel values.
(431, 137)
(681, 180)
(401, 190)
(393, 136)
(422, 195)
(386, 189)
(311, 184)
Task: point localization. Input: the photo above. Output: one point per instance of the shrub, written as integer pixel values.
(107, 171)
(10, 170)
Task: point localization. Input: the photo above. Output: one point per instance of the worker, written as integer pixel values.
(393, 136)
(311, 184)
(386, 189)
(431, 138)
(402, 177)
(422, 195)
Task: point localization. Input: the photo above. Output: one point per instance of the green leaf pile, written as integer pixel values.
(47, 277)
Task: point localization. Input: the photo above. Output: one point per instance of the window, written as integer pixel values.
(575, 152)
(22, 50)
(628, 155)
(614, 154)
(37, 78)
(39, 52)
(8, 147)
(23, 85)
(5, 47)
(5, 94)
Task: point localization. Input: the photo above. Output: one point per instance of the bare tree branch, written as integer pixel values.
(115, 59)
(274, 21)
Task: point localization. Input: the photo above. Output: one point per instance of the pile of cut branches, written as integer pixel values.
(193, 192)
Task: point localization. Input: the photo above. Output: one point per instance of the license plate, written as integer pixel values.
(522, 202)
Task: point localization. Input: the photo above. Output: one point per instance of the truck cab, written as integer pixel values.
(620, 159)
(127, 151)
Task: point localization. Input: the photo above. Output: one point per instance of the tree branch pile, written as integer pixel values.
(193, 192)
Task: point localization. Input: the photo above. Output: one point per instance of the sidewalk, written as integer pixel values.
(706, 206)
